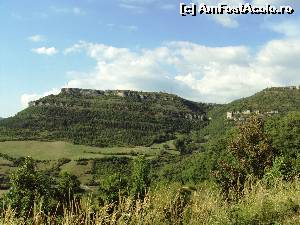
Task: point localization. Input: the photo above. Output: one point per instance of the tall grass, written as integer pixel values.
(259, 204)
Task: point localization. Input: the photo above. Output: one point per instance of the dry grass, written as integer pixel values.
(175, 205)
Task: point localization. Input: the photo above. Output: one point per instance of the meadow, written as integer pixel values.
(78, 160)
(57, 150)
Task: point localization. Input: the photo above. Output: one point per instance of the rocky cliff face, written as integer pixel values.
(120, 93)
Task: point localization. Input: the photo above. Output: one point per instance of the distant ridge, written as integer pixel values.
(274, 100)
(106, 118)
(134, 118)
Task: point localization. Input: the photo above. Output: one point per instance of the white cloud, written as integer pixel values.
(290, 28)
(232, 21)
(72, 10)
(37, 38)
(226, 20)
(214, 74)
(140, 6)
(26, 98)
(45, 51)
(133, 7)
(194, 71)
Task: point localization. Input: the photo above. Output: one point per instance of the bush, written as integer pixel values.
(112, 187)
(139, 179)
(250, 153)
(29, 186)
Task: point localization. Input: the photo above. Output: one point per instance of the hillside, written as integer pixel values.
(270, 102)
(105, 118)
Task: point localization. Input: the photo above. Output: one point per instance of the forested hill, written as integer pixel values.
(270, 102)
(105, 118)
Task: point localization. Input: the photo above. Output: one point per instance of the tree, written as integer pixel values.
(250, 153)
(140, 178)
(67, 186)
(112, 187)
(28, 186)
(183, 145)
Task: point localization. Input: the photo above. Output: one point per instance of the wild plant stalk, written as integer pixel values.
(259, 204)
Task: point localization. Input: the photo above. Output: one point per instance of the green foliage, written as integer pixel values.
(250, 153)
(112, 187)
(67, 186)
(273, 174)
(29, 186)
(111, 165)
(285, 133)
(140, 178)
(270, 99)
(186, 144)
(107, 120)
(180, 145)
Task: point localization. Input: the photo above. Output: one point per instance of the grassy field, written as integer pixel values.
(51, 152)
(58, 150)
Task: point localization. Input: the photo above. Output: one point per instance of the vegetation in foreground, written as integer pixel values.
(249, 183)
(260, 204)
(221, 174)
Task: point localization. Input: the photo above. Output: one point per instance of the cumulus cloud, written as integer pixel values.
(26, 98)
(45, 51)
(289, 28)
(198, 72)
(37, 38)
(193, 71)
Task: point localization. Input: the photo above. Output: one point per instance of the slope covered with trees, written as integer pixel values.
(281, 100)
(105, 118)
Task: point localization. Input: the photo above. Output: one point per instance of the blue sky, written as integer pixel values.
(142, 45)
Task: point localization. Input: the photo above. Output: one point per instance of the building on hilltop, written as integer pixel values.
(229, 115)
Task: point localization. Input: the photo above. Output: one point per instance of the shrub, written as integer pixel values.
(139, 179)
(249, 153)
(112, 187)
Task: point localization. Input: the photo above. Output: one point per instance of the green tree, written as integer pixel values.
(112, 187)
(250, 153)
(183, 145)
(140, 177)
(28, 186)
(67, 187)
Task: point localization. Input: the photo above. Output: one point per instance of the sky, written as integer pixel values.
(143, 45)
